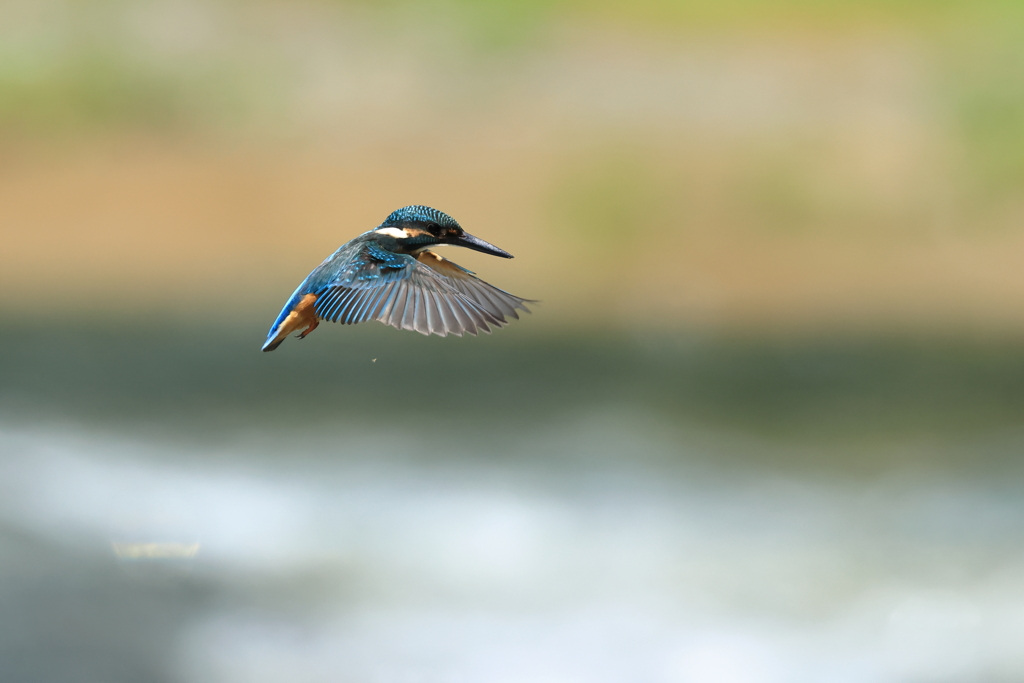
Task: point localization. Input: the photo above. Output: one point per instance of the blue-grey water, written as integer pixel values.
(538, 510)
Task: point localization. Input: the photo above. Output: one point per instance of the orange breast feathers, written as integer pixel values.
(441, 265)
(303, 315)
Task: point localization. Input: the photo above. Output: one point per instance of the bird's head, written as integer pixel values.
(420, 227)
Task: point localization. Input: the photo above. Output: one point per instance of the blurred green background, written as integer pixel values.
(765, 424)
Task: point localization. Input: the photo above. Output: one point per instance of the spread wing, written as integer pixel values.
(496, 301)
(429, 295)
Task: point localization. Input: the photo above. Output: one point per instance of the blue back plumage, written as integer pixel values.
(358, 264)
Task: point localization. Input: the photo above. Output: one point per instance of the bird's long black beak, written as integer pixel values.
(477, 244)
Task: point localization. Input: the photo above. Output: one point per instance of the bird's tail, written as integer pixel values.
(274, 339)
(272, 344)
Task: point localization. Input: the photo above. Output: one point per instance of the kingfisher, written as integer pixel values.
(391, 275)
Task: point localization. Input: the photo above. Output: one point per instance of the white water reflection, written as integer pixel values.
(398, 568)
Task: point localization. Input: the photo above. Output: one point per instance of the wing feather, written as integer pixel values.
(389, 304)
(344, 312)
(369, 301)
(474, 321)
(411, 306)
(422, 326)
(446, 318)
(378, 304)
(325, 301)
(330, 301)
(428, 294)
(456, 308)
(434, 323)
(496, 301)
(342, 305)
(396, 309)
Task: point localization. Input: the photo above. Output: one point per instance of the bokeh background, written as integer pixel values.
(765, 425)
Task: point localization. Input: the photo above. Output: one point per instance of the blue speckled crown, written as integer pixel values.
(419, 214)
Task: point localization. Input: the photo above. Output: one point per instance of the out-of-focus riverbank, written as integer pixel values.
(876, 404)
(843, 169)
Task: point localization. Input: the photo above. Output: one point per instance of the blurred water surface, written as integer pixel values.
(518, 508)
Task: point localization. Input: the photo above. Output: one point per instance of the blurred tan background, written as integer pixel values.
(779, 167)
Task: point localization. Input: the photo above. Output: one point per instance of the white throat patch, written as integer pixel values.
(394, 232)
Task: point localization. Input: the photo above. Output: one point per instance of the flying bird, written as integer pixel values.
(391, 275)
